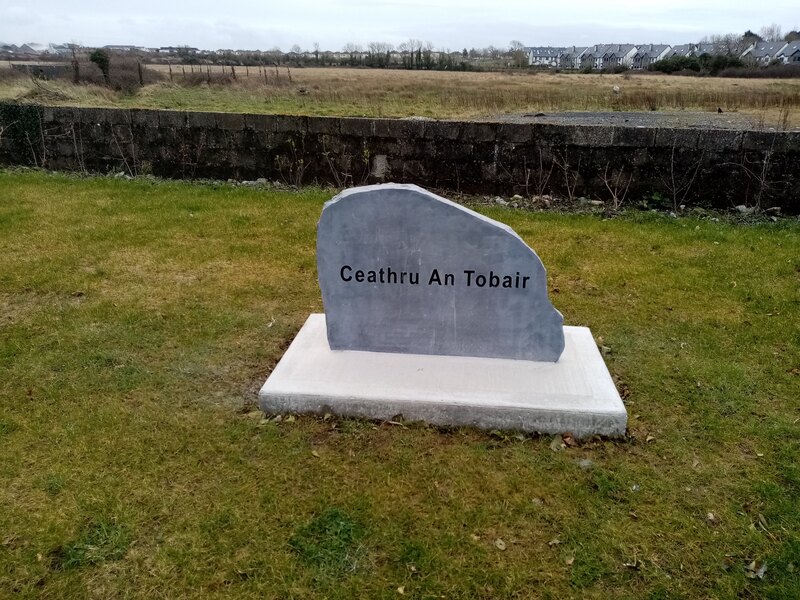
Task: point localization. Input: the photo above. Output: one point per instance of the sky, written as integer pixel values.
(448, 24)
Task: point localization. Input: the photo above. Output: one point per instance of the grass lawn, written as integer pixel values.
(138, 320)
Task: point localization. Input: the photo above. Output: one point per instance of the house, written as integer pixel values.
(696, 50)
(588, 58)
(621, 55)
(62, 49)
(710, 49)
(122, 48)
(570, 58)
(544, 56)
(681, 50)
(790, 54)
(32, 48)
(763, 53)
(647, 55)
(607, 56)
(177, 50)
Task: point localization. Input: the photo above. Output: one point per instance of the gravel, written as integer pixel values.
(676, 119)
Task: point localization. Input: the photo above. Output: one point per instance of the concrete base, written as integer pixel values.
(575, 394)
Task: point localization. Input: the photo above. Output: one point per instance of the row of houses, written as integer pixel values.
(169, 50)
(31, 50)
(640, 57)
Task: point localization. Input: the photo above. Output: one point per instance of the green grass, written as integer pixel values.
(138, 319)
(98, 541)
(329, 542)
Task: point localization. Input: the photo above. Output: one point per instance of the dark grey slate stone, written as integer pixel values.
(403, 270)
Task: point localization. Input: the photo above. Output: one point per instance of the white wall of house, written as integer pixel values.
(602, 56)
(627, 58)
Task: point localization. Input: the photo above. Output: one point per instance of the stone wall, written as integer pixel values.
(44, 71)
(714, 168)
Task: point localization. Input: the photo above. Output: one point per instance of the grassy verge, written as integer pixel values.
(138, 319)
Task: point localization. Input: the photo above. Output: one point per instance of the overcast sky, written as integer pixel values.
(453, 24)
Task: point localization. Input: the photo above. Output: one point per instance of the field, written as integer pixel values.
(138, 319)
(436, 94)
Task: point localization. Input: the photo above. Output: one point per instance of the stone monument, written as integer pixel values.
(437, 313)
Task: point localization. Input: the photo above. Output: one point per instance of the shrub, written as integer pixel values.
(771, 72)
(103, 62)
(706, 64)
(714, 64)
(676, 63)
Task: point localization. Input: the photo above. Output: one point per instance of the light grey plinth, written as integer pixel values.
(575, 395)
(404, 270)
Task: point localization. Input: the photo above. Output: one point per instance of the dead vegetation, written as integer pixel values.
(399, 93)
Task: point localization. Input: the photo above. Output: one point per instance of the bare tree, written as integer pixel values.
(355, 51)
(617, 183)
(541, 177)
(426, 50)
(757, 172)
(771, 33)
(679, 181)
(351, 48)
(731, 44)
(379, 47)
(518, 55)
(561, 160)
(410, 50)
(379, 53)
(492, 52)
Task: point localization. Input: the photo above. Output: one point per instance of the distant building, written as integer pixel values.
(123, 48)
(545, 56)
(177, 50)
(649, 54)
(32, 48)
(571, 58)
(681, 50)
(607, 56)
(763, 53)
(710, 49)
(790, 55)
(62, 49)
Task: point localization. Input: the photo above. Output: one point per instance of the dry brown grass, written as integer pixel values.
(437, 94)
(479, 94)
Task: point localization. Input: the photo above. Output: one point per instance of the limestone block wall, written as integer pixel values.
(665, 166)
